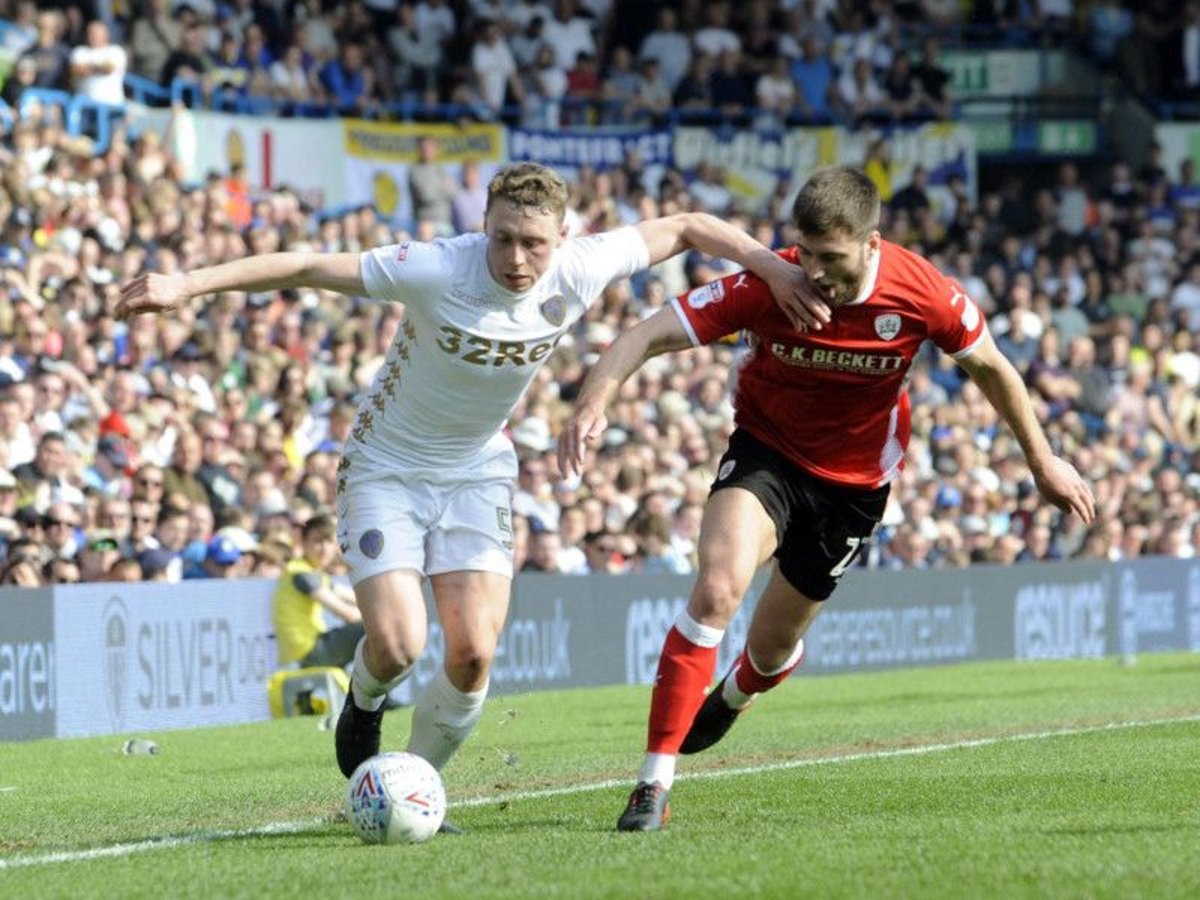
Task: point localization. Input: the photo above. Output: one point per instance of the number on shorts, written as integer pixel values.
(844, 563)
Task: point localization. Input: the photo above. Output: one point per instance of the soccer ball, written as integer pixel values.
(395, 798)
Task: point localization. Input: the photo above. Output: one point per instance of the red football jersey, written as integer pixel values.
(833, 401)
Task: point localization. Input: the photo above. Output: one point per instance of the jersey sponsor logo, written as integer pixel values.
(702, 296)
(841, 360)
(402, 252)
(481, 351)
(887, 326)
(554, 310)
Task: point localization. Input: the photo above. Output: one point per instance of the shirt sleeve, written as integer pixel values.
(306, 582)
(591, 263)
(722, 307)
(412, 272)
(955, 323)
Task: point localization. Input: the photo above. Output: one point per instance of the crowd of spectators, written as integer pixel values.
(196, 445)
(551, 62)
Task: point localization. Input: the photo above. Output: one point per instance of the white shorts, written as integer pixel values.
(394, 520)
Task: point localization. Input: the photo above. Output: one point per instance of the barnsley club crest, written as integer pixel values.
(888, 326)
(554, 310)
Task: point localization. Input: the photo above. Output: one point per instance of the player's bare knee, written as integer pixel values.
(392, 654)
(715, 598)
(471, 665)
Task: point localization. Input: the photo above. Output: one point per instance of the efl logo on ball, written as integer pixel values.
(395, 798)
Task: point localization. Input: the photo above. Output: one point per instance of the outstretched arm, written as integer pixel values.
(660, 333)
(1056, 479)
(154, 293)
(700, 231)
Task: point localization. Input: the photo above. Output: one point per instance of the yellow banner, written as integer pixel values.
(396, 142)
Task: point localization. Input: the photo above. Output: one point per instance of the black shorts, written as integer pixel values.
(821, 526)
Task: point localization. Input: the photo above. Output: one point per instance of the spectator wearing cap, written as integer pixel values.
(159, 564)
(304, 595)
(106, 474)
(222, 558)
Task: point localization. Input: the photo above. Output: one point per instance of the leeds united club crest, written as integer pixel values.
(554, 310)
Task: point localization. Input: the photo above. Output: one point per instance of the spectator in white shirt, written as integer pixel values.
(568, 34)
(669, 46)
(494, 67)
(98, 67)
(437, 18)
(716, 35)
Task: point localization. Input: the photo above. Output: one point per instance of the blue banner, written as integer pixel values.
(595, 147)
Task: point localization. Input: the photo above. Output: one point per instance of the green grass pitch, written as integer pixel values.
(1063, 780)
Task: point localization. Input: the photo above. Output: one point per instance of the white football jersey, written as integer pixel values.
(469, 348)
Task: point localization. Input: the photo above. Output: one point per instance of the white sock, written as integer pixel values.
(734, 696)
(442, 719)
(368, 691)
(658, 767)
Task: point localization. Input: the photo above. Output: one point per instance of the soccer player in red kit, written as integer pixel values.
(822, 425)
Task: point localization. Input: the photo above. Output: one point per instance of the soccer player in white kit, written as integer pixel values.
(425, 482)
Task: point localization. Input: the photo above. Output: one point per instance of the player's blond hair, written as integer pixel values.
(837, 199)
(529, 185)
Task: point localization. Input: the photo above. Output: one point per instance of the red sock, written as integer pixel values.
(684, 672)
(751, 681)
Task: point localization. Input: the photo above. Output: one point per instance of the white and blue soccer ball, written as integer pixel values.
(395, 798)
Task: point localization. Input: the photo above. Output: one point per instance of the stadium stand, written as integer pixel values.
(182, 435)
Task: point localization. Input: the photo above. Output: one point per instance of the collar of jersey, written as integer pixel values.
(868, 287)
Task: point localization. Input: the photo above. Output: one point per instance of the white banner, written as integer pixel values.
(304, 154)
(138, 657)
(755, 161)
(1179, 141)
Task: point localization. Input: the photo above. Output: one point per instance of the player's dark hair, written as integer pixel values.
(532, 185)
(837, 199)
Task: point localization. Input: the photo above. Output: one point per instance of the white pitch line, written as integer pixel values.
(160, 844)
(116, 850)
